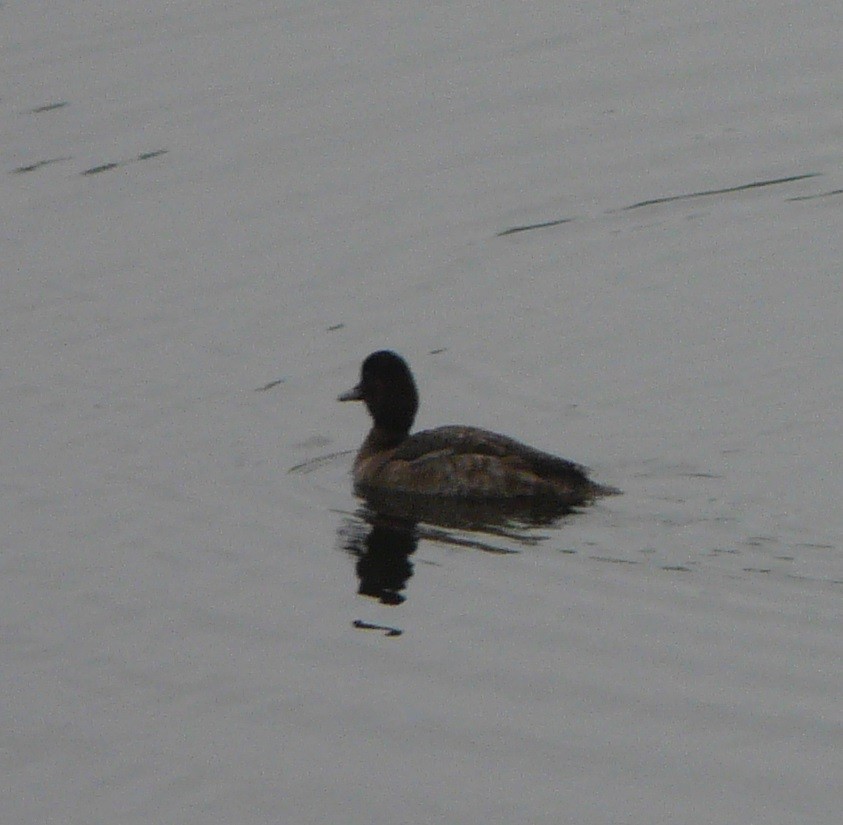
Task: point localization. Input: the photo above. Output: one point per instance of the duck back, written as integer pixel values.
(468, 462)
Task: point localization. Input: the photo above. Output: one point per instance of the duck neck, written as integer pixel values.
(382, 438)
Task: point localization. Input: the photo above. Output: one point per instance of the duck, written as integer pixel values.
(450, 462)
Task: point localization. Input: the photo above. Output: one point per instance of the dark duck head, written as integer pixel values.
(389, 392)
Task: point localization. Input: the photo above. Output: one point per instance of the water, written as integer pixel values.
(206, 202)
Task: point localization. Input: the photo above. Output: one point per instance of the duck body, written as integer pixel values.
(468, 463)
(465, 463)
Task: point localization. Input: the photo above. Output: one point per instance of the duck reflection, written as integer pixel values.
(382, 546)
(385, 532)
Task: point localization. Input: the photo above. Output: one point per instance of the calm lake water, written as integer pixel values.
(212, 213)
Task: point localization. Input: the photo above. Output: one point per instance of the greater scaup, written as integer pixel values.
(457, 462)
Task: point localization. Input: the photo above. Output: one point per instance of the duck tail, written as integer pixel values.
(604, 490)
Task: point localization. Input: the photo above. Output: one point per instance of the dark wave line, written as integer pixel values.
(728, 190)
(818, 195)
(527, 228)
(670, 198)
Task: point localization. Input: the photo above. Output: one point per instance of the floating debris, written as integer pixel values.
(388, 631)
(31, 167)
(95, 170)
(270, 385)
(105, 167)
(48, 107)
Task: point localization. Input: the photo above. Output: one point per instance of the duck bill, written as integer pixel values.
(355, 394)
